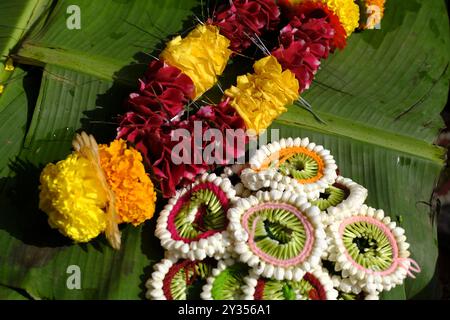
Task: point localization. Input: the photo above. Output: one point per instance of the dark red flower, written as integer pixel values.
(232, 127)
(243, 18)
(306, 10)
(164, 89)
(175, 149)
(304, 42)
(299, 59)
(153, 137)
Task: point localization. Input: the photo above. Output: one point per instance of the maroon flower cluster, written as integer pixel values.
(227, 121)
(308, 38)
(241, 19)
(154, 125)
(317, 10)
(165, 90)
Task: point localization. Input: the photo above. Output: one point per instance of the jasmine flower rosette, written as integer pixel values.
(296, 165)
(369, 248)
(278, 234)
(178, 279)
(194, 223)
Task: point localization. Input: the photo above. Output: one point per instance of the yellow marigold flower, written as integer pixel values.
(347, 11)
(261, 97)
(202, 55)
(133, 189)
(73, 198)
(2, 88)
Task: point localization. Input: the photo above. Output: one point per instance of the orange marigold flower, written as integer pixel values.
(134, 192)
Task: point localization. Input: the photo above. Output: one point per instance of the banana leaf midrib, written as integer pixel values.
(29, 14)
(100, 67)
(338, 126)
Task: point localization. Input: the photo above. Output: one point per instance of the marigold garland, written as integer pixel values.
(315, 28)
(164, 90)
(312, 12)
(241, 18)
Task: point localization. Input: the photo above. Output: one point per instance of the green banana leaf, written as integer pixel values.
(380, 99)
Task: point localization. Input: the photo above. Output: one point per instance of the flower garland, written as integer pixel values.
(347, 288)
(187, 68)
(190, 66)
(340, 199)
(233, 173)
(370, 249)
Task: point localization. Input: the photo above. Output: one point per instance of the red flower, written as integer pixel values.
(304, 42)
(164, 89)
(224, 118)
(299, 59)
(154, 136)
(243, 18)
(316, 10)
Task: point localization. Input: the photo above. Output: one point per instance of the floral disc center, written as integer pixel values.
(228, 284)
(369, 245)
(185, 279)
(332, 196)
(198, 214)
(278, 233)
